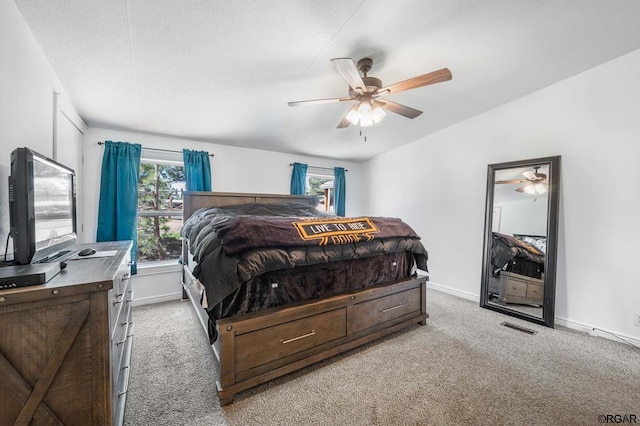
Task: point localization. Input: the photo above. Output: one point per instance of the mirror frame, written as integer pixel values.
(548, 309)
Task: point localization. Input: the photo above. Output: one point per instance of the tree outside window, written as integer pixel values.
(322, 187)
(160, 188)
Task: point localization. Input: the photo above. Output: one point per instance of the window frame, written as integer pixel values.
(142, 264)
(330, 208)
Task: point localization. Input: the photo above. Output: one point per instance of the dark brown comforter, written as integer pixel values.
(510, 254)
(235, 245)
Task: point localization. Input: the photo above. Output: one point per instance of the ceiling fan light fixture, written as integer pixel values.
(366, 120)
(353, 116)
(377, 114)
(533, 188)
(364, 108)
(365, 114)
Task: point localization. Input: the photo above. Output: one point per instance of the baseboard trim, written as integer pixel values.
(454, 292)
(597, 332)
(562, 322)
(157, 299)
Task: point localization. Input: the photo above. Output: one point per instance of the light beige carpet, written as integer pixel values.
(463, 367)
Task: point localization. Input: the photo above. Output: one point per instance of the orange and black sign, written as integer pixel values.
(337, 231)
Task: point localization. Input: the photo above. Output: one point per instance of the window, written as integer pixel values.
(322, 186)
(160, 187)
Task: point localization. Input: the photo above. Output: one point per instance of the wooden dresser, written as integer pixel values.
(516, 288)
(65, 345)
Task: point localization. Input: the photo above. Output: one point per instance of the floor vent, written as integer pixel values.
(517, 327)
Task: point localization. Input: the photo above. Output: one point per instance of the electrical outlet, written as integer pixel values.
(636, 319)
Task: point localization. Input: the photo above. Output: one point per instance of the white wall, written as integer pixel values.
(437, 184)
(232, 170)
(523, 216)
(28, 109)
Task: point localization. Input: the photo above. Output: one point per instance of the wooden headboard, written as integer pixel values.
(194, 200)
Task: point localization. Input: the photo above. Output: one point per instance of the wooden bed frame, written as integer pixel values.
(260, 346)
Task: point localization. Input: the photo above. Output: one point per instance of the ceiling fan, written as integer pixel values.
(534, 182)
(367, 92)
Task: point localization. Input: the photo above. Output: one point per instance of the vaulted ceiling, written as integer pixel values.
(223, 71)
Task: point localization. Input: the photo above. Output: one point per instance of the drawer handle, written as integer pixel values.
(390, 309)
(126, 276)
(127, 334)
(118, 296)
(126, 381)
(298, 338)
(122, 341)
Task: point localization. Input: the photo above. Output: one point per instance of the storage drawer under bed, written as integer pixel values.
(260, 346)
(272, 343)
(377, 311)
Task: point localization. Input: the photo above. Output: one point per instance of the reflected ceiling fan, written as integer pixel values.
(534, 182)
(367, 91)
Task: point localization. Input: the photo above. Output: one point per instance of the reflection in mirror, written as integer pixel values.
(520, 239)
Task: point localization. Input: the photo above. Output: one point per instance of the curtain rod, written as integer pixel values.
(160, 149)
(318, 167)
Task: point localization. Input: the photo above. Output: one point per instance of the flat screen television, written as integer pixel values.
(42, 207)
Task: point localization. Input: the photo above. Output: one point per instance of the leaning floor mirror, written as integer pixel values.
(520, 239)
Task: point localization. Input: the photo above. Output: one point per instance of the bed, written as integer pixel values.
(517, 269)
(348, 281)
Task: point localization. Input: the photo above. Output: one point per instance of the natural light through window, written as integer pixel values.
(160, 188)
(321, 186)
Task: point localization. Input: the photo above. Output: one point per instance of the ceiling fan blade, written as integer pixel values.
(349, 72)
(343, 124)
(510, 181)
(398, 108)
(318, 101)
(521, 189)
(422, 80)
(529, 175)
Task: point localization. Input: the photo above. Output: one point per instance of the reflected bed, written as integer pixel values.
(517, 269)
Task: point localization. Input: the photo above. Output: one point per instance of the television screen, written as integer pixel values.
(42, 206)
(52, 202)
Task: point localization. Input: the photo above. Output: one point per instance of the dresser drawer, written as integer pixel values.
(516, 289)
(535, 291)
(272, 343)
(123, 277)
(122, 330)
(383, 309)
(121, 381)
(119, 293)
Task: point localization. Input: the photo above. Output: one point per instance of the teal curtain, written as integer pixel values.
(118, 202)
(298, 179)
(339, 190)
(197, 170)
